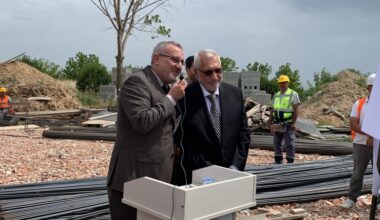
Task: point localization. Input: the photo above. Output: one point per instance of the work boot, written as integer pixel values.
(347, 204)
(290, 160)
(278, 159)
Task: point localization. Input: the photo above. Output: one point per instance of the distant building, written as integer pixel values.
(231, 78)
(126, 72)
(249, 83)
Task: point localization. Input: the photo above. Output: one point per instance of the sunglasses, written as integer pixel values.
(173, 59)
(211, 71)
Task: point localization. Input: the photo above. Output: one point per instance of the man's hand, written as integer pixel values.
(369, 141)
(293, 126)
(177, 91)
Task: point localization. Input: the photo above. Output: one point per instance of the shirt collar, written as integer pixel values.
(158, 78)
(207, 93)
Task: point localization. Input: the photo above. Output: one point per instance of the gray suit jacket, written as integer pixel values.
(145, 126)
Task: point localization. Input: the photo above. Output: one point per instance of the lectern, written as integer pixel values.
(225, 192)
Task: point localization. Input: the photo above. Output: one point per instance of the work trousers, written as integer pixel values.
(361, 155)
(119, 210)
(289, 136)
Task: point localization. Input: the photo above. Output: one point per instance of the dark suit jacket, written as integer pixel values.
(146, 123)
(200, 142)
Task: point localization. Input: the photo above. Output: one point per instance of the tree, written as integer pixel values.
(323, 77)
(270, 86)
(91, 76)
(75, 64)
(42, 65)
(228, 64)
(294, 77)
(128, 16)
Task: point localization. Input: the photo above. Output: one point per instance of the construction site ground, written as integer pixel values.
(27, 157)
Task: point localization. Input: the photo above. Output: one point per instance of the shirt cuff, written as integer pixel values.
(171, 99)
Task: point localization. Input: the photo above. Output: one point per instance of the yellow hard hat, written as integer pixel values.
(2, 89)
(283, 78)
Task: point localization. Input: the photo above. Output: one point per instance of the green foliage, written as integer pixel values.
(91, 99)
(42, 65)
(362, 82)
(323, 77)
(270, 86)
(228, 64)
(91, 76)
(294, 77)
(356, 71)
(151, 20)
(320, 79)
(75, 65)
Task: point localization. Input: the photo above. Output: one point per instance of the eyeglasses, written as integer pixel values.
(173, 59)
(209, 72)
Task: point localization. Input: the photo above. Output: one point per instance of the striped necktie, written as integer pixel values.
(215, 117)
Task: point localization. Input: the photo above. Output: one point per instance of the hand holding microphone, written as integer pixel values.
(177, 91)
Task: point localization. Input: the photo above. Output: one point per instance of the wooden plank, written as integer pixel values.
(101, 123)
(39, 99)
(46, 113)
(102, 116)
(16, 127)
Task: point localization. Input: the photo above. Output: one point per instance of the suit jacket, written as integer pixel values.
(199, 139)
(146, 123)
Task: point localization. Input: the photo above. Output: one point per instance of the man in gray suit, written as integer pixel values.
(147, 118)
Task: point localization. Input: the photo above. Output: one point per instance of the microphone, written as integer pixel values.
(181, 77)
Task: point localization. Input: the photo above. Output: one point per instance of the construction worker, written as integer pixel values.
(5, 102)
(362, 146)
(283, 117)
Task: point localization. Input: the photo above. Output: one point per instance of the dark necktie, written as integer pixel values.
(215, 117)
(166, 88)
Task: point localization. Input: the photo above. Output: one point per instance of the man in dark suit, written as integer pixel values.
(147, 118)
(215, 129)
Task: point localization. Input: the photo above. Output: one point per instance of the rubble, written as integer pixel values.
(336, 98)
(257, 114)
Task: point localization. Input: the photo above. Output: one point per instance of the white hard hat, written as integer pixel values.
(371, 79)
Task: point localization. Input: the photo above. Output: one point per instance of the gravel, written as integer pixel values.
(27, 157)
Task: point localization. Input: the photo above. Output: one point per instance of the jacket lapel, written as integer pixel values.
(175, 119)
(150, 75)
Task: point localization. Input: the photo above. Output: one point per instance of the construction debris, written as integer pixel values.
(338, 96)
(258, 115)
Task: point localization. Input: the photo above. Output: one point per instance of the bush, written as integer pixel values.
(92, 76)
(42, 65)
(92, 100)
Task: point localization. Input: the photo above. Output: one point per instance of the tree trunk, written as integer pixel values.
(119, 61)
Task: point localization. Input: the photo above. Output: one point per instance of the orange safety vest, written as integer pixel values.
(4, 102)
(358, 110)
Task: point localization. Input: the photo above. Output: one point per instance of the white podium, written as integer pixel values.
(231, 191)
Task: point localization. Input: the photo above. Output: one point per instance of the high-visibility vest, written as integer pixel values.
(358, 111)
(4, 102)
(283, 107)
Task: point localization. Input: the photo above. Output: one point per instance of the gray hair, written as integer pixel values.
(206, 53)
(160, 47)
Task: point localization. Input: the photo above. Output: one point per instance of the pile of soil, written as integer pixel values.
(24, 81)
(338, 95)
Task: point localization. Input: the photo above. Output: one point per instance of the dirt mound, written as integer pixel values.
(339, 95)
(25, 81)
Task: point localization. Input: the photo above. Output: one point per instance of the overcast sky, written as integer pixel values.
(309, 34)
